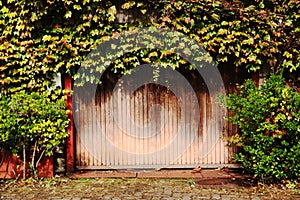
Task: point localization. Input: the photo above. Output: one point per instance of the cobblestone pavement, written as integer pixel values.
(135, 188)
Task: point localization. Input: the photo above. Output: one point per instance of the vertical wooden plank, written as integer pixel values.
(134, 129)
(101, 130)
(129, 126)
(135, 126)
(161, 120)
(218, 137)
(205, 126)
(174, 107)
(95, 137)
(107, 122)
(97, 129)
(196, 152)
(157, 118)
(80, 129)
(118, 136)
(78, 103)
(102, 125)
(90, 135)
(132, 126)
(165, 127)
(141, 133)
(85, 131)
(124, 158)
(90, 125)
(218, 132)
(194, 110)
(168, 120)
(144, 103)
(212, 141)
(113, 111)
(191, 129)
(151, 102)
(186, 123)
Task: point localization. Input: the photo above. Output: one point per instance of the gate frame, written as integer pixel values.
(70, 142)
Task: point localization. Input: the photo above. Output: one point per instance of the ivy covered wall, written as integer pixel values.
(40, 38)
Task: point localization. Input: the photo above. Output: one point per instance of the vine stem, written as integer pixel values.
(24, 161)
(38, 161)
(33, 157)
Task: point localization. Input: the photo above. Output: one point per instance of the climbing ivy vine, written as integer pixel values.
(40, 38)
(252, 33)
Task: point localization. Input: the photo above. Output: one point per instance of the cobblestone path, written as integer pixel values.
(133, 188)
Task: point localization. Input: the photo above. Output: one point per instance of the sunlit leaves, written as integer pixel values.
(112, 11)
(68, 14)
(129, 4)
(38, 39)
(233, 28)
(34, 46)
(77, 7)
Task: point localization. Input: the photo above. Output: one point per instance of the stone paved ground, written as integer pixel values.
(136, 188)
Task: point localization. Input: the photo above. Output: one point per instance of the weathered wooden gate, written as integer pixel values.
(148, 128)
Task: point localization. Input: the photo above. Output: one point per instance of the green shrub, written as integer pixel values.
(32, 124)
(268, 118)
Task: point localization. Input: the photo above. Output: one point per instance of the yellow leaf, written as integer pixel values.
(215, 17)
(222, 31)
(252, 57)
(112, 11)
(86, 1)
(33, 17)
(143, 11)
(128, 5)
(153, 54)
(46, 38)
(68, 14)
(77, 7)
(288, 54)
(224, 23)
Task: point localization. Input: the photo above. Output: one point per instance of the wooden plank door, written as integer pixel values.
(149, 128)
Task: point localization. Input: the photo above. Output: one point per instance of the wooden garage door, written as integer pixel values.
(149, 128)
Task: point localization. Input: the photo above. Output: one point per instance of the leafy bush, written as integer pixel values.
(32, 124)
(268, 118)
